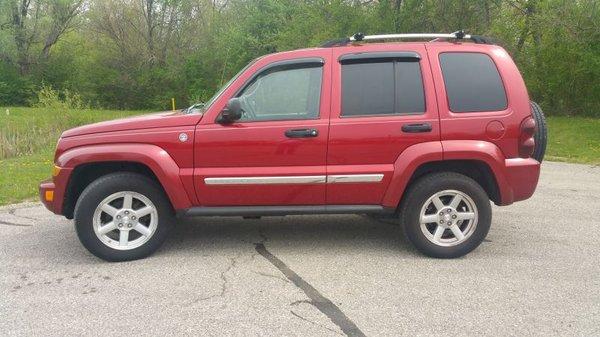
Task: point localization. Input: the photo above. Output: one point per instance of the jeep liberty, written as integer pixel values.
(424, 128)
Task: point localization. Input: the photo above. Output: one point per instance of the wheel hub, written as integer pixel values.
(125, 219)
(447, 216)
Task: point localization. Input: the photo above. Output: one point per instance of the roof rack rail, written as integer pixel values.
(359, 37)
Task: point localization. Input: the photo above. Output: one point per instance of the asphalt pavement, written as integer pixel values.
(538, 273)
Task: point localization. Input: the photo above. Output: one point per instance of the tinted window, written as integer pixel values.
(472, 82)
(282, 95)
(410, 97)
(379, 88)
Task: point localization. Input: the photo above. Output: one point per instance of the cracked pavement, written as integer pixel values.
(537, 274)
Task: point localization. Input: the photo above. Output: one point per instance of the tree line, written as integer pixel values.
(137, 54)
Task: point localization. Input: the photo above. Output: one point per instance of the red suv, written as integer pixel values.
(427, 132)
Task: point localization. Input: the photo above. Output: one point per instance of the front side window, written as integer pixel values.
(382, 87)
(283, 94)
(472, 82)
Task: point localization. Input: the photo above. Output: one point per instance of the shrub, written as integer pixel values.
(49, 98)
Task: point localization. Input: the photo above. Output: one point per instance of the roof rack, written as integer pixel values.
(359, 37)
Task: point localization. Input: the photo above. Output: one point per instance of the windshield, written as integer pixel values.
(202, 107)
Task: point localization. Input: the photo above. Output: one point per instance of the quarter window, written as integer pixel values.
(382, 87)
(283, 94)
(472, 82)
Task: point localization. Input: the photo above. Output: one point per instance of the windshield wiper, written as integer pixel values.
(192, 107)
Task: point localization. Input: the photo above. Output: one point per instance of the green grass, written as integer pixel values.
(574, 139)
(27, 140)
(29, 135)
(20, 176)
(29, 130)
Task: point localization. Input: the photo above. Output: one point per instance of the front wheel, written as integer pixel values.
(122, 216)
(446, 215)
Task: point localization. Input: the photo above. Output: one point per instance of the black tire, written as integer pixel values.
(420, 192)
(107, 185)
(541, 134)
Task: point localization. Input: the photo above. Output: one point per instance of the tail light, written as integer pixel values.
(526, 140)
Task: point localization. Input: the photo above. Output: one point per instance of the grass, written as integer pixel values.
(27, 140)
(28, 137)
(27, 131)
(574, 140)
(20, 176)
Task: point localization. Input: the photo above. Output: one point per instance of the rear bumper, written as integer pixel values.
(520, 179)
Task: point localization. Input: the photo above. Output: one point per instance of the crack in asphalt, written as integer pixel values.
(315, 323)
(8, 223)
(323, 304)
(224, 282)
(261, 233)
(12, 211)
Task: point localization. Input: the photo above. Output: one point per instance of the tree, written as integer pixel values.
(36, 26)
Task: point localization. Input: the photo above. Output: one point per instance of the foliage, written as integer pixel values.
(66, 100)
(132, 54)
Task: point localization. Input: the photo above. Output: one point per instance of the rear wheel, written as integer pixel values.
(122, 216)
(541, 132)
(446, 215)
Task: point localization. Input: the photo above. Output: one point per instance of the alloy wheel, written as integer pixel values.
(448, 218)
(125, 220)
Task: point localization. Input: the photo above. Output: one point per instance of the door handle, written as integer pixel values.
(301, 133)
(414, 128)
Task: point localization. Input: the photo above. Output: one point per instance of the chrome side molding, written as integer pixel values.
(266, 180)
(354, 178)
(317, 179)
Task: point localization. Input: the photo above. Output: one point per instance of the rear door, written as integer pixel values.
(379, 108)
(475, 100)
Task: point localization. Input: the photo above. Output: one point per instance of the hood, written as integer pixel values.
(154, 120)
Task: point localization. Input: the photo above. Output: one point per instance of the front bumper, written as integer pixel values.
(47, 195)
(52, 191)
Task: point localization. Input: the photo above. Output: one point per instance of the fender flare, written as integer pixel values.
(154, 157)
(404, 167)
(487, 153)
(417, 155)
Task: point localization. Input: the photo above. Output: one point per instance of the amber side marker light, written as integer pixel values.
(49, 195)
(55, 171)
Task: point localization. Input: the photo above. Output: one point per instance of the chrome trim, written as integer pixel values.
(354, 178)
(265, 180)
(321, 179)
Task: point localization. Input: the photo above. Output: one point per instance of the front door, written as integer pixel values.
(276, 153)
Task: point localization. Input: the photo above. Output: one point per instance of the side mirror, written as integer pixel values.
(232, 112)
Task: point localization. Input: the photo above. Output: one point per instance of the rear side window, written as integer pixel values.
(472, 82)
(382, 87)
